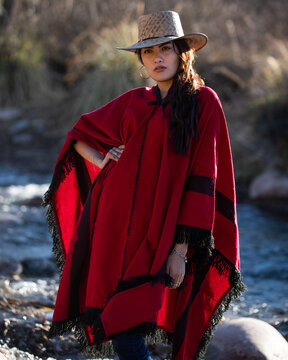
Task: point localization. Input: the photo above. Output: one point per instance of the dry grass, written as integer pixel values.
(107, 72)
(240, 33)
(23, 76)
(245, 60)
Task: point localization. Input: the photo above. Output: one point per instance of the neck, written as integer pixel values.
(164, 87)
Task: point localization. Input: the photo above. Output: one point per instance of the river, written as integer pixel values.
(263, 246)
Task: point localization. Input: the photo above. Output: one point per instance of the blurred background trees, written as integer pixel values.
(60, 56)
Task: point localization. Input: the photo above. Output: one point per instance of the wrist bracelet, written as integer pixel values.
(184, 257)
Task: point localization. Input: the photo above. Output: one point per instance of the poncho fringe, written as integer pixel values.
(203, 243)
(63, 168)
(200, 240)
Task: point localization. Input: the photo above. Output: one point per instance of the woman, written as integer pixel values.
(150, 242)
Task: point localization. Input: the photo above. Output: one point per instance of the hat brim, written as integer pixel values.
(196, 41)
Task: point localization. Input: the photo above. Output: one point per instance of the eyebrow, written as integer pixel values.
(168, 42)
(150, 47)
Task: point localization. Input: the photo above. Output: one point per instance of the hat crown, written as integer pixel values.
(159, 24)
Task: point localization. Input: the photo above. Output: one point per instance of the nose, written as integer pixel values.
(158, 56)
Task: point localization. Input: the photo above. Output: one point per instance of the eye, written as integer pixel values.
(166, 47)
(147, 51)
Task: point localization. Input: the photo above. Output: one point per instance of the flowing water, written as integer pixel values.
(263, 244)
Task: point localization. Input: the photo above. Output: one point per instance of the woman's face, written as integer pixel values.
(161, 62)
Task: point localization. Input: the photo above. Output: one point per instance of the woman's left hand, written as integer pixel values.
(176, 266)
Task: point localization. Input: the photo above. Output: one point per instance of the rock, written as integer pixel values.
(4, 354)
(247, 339)
(7, 114)
(282, 326)
(19, 126)
(24, 138)
(15, 354)
(269, 184)
(29, 340)
(10, 267)
(10, 219)
(33, 201)
(38, 125)
(39, 267)
(160, 349)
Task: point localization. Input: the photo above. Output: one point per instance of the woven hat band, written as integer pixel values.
(160, 24)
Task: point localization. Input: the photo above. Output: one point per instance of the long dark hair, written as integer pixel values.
(182, 96)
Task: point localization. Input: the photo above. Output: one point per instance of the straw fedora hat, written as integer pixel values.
(161, 27)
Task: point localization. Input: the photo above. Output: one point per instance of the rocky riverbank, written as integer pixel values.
(28, 275)
(27, 305)
(26, 309)
(27, 141)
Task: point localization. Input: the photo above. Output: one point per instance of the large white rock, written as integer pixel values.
(247, 339)
(269, 184)
(9, 113)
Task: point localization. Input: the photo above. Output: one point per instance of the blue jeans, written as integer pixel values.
(130, 347)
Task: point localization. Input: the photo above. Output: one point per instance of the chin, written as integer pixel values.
(162, 78)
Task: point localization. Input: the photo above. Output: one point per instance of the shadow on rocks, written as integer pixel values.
(39, 267)
(10, 267)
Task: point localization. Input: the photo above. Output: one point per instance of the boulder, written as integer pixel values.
(9, 113)
(33, 201)
(10, 219)
(38, 125)
(10, 267)
(39, 267)
(4, 354)
(269, 184)
(20, 126)
(247, 339)
(23, 139)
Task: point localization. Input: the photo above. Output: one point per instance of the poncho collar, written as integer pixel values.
(159, 100)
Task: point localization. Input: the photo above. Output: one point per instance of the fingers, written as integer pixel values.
(175, 284)
(176, 269)
(116, 152)
(177, 281)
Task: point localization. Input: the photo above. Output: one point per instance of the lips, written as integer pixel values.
(159, 68)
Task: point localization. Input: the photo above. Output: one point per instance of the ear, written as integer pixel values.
(175, 47)
(138, 52)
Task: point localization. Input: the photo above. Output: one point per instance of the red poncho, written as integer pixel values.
(114, 228)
